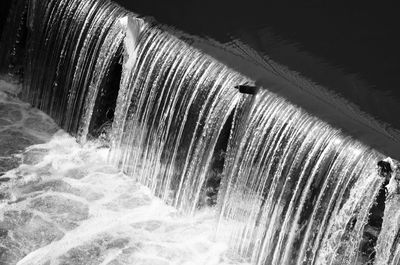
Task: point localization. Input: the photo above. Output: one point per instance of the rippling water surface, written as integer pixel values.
(60, 203)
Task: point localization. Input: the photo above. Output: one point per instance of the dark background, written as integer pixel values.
(4, 7)
(360, 37)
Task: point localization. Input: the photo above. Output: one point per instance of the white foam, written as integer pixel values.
(133, 27)
(119, 209)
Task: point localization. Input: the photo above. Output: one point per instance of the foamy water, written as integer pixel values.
(63, 204)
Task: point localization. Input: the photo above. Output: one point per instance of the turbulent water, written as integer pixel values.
(62, 204)
(167, 136)
(248, 178)
(297, 183)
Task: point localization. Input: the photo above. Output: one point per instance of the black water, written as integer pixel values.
(294, 188)
(4, 12)
(359, 37)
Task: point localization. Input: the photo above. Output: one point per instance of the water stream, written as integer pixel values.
(168, 163)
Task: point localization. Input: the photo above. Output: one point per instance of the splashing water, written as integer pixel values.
(287, 187)
(62, 75)
(167, 136)
(65, 205)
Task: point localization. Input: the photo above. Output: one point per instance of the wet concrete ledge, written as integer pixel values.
(302, 92)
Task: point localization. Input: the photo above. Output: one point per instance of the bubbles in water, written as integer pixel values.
(63, 204)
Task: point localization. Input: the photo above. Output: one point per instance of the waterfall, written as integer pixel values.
(388, 245)
(291, 184)
(170, 110)
(71, 46)
(290, 188)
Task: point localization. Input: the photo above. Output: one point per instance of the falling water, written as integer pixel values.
(388, 246)
(292, 183)
(71, 46)
(290, 188)
(171, 108)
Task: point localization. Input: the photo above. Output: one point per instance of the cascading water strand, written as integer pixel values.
(289, 188)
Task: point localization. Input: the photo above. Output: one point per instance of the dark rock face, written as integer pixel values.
(247, 89)
(103, 114)
(385, 169)
(373, 228)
